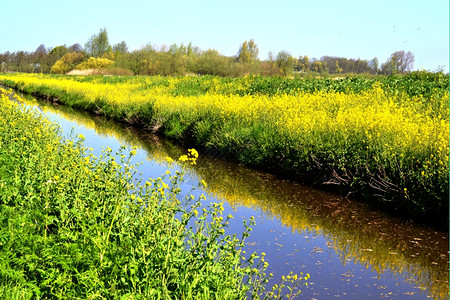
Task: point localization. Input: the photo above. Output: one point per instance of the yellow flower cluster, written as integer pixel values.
(383, 124)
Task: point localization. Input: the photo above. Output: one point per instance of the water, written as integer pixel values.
(349, 250)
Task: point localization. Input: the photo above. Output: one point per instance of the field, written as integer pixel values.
(383, 140)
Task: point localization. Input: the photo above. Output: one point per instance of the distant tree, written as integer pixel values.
(39, 58)
(136, 61)
(303, 64)
(337, 68)
(211, 62)
(285, 62)
(41, 50)
(76, 48)
(58, 51)
(388, 68)
(53, 55)
(248, 52)
(318, 66)
(362, 66)
(399, 62)
(193, 50)
(374, 65)
(193, 54)
(120, 47)
(21, 61)
(404, 61)
(98, 44)
(269, 68)
(5, 61)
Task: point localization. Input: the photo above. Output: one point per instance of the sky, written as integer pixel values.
(362, 29)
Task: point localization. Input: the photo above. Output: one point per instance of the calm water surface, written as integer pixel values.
(349, 250)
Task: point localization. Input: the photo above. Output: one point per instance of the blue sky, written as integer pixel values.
(347, 28)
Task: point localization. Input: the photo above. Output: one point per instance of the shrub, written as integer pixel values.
(95, 63)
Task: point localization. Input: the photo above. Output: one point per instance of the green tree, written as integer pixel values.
(248, 57)
(39, 57)
(120, 47)
(76, 48)
(54, 55)
(319, 67)
(374, 65)
(248, 52)
(338, 69)
(58, 52)
(285, 62)
(399, 62)
(303, 64)
(98, 44)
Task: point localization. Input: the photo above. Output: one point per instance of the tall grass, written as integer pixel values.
(80, 227)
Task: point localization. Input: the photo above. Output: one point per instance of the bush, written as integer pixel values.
(67, 62)
(95, 63)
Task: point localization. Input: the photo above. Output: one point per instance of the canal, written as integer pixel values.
(350, 250)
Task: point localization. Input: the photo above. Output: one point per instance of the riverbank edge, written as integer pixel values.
(53, 246)
(318, 172)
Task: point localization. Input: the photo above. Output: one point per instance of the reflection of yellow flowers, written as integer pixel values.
(193, 153)
(191, 157)
(203, 182)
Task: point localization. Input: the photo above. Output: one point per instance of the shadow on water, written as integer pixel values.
(349, 249)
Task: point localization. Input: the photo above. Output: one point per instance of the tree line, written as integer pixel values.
(98, 54)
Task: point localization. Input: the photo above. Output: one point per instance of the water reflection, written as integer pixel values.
(348, 231)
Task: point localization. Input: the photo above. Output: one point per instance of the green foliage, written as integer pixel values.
(285, 62)
(120, 47)
(59, 51)
(303, 64)
(210, 62)
(319, 67)
(248, 56)
(76, 226)
(98, 44)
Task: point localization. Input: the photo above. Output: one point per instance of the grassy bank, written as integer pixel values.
(76, 226)
(385, 141)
